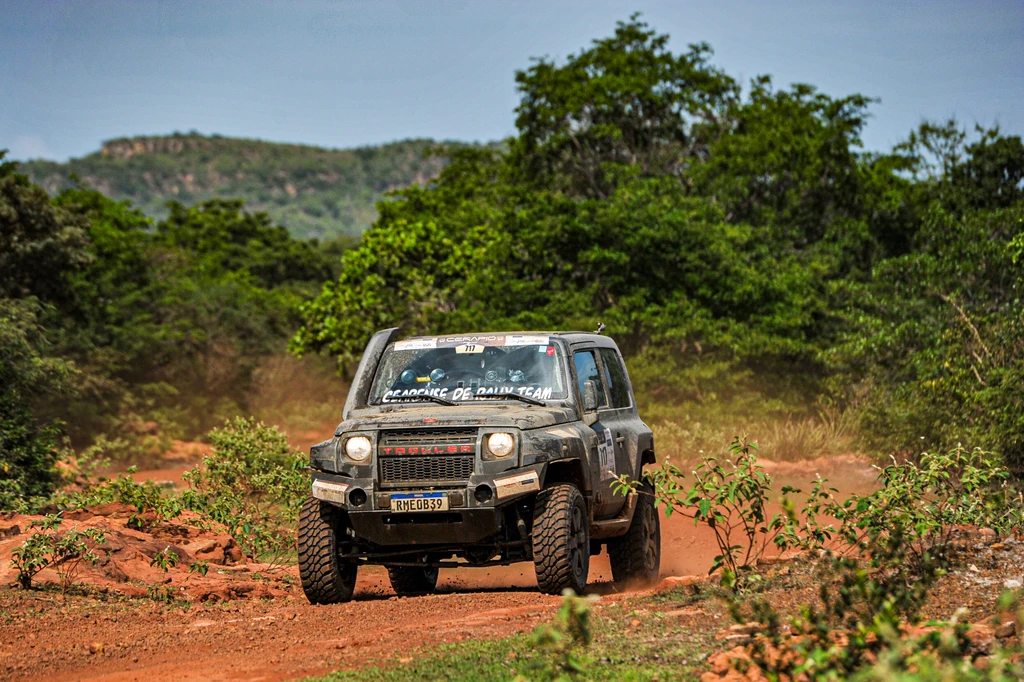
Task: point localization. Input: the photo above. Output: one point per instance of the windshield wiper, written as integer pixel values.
(513, 396)
(431, 398)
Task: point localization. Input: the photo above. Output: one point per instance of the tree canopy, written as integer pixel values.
(734, 240)
(739, 243)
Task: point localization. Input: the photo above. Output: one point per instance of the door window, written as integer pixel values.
(586, 370)
(617, 384)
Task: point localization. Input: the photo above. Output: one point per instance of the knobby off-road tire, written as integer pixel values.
(325, 578)
(636, 556)
(412, 580)
(561, 539)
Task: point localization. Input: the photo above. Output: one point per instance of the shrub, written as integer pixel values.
(62, 551)
(253, 483)
(939, 655)
(880, 562)
(146, 497)
(731, 499)
(926, 501)
(560, 645)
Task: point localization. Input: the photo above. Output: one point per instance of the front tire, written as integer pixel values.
(325, 578)
(561, 539)
(407, 581)
(636, 556)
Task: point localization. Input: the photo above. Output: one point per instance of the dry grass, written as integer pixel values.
(298, 395)
(684, 438)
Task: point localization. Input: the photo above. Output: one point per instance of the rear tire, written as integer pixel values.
(636, 556)
(412, 580)
(561, 539)
(325, 578)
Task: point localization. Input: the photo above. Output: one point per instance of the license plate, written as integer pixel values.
(419, 502)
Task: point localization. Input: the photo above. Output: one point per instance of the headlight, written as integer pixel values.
(500, 445)
(358, 448)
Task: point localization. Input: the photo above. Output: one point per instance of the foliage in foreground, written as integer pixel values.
(881, 554)
(252, 485)
(731, 498)
(559, 646)
(924, 502)
(62, 551)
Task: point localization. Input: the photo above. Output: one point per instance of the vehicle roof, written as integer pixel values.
(570, 337)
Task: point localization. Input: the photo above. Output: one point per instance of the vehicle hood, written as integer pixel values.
(524, 417)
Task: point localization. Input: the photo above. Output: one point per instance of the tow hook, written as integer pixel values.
(520, 524)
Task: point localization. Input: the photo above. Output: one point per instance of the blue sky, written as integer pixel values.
(348, 73)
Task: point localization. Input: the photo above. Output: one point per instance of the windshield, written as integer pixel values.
(471, 367)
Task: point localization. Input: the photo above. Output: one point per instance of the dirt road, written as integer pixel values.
(48, 638)
(244, 640)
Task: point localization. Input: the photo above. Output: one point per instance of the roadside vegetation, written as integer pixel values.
(250, 486)
(856, 598)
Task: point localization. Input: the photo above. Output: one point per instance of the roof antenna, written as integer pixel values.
(600, 328)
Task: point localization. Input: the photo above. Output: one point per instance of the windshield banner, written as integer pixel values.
(535, 392)
(471, 340)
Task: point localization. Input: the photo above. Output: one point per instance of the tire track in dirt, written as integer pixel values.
(278, 640)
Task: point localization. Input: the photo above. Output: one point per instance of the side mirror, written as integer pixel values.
(589, 396)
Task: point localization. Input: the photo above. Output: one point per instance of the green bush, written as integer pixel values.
(730, 497)
(880, 562)
(560, 647)
(147, 498)
(62, 551)
(253, 483)
(926, 502)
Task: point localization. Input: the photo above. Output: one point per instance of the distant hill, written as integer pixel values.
(314, 192)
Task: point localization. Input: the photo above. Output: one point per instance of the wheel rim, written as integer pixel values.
(650, 538)
(577, 538)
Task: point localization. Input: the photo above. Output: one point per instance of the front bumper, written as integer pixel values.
(474, 514)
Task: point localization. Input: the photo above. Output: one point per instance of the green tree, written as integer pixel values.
(411, 267)
(41, 246)
(992, 176)
(788, 162)
(225, 238)
(28, 374)
(625, 103)
(592, 215)
(39, 243)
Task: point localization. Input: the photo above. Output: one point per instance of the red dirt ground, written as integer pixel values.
(248, 622)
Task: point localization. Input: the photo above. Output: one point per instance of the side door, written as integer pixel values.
(586, 362)
(628, 429)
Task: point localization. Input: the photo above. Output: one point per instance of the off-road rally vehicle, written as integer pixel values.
(481, 450)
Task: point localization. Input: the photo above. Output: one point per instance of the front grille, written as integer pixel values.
(411, 457)
(429, 437)
(406, 470)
